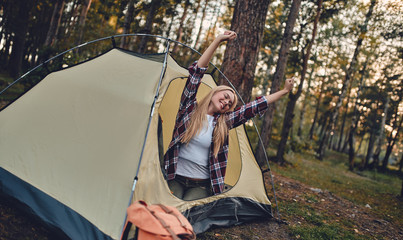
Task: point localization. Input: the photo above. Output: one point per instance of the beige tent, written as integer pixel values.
(70, 148)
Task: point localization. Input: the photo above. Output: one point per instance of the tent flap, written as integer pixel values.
(226, 212)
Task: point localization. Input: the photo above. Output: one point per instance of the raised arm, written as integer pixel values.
(205, 58)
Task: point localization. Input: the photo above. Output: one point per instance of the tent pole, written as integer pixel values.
(148, 127)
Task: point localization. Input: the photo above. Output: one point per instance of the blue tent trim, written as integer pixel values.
(49, 210)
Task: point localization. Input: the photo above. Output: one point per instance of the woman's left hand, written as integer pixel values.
(289, 84)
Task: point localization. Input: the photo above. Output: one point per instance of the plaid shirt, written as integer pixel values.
(187, 105)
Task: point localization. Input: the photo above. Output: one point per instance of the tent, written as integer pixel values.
(87, 140)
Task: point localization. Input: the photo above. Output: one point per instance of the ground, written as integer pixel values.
(315, 207)
(362, 222)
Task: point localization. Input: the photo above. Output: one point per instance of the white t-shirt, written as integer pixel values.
(193, 158)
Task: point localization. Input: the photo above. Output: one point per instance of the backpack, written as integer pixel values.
(156, 222)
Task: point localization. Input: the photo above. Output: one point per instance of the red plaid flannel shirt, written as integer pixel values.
(187, 105)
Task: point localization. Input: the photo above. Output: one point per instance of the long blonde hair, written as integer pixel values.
(198, 118)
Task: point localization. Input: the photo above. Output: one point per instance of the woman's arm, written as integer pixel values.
(258, 106)
(205, 58)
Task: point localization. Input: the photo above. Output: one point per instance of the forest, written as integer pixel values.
(346, 55)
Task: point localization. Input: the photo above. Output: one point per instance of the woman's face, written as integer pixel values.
(222, 101)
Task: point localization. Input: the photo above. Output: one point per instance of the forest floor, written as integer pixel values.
(342, 205)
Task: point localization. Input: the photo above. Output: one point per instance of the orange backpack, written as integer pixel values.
(157, 222)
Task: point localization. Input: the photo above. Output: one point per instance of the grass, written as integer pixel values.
(378, 190)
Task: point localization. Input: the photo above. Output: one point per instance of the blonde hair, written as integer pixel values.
(198, 118)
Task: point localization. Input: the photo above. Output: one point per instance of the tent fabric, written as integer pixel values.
(76, 138)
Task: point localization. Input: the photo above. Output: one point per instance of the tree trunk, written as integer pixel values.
(180, 30)
(277, 79)
(391, 143)
(322, 87)
(348, 78)
(381, 136)
(304, 103)
(54, 23)
(401, 164)
(241, 55)
(401, 192)
(353, 127)
(81, 22)
(128, 21)
(344, 121)
(370, 149)
(19, 39)
(288, 118)
(201, 25)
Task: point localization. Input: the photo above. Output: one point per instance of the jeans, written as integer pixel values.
(188, 189)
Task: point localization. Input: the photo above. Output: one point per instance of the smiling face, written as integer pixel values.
(222, 101)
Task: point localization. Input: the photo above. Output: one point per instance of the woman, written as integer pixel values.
(196, 159)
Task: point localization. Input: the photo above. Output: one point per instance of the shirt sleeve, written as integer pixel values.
(244, 113)
(196, 73)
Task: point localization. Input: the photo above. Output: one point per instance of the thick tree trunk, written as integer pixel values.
(348, 78)
(288, 118)
(155, 4)
(277, 79)
(54, 23)
(241, 55)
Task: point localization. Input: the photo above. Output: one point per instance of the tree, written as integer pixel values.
(20, 29)
(277, 79)
(293, 97)
(129, 15)
(241, 55)
(54, 23)
(347, 81)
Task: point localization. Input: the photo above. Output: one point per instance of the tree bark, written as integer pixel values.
(240, 57)
(277, 79)
(292, 98)
(347, 81)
